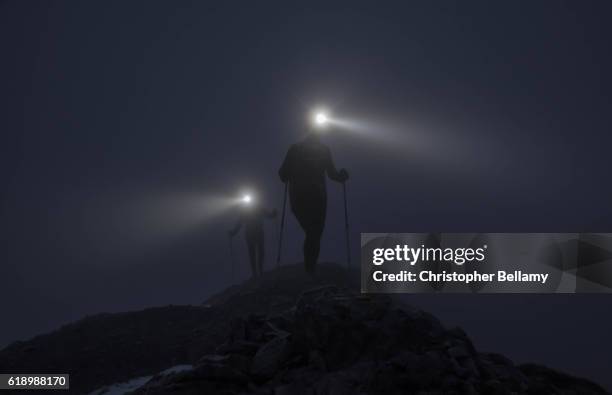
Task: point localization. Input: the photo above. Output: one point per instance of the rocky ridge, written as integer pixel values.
(286, 333)
(333, 340)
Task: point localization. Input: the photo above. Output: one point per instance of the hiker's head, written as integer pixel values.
(313, 135)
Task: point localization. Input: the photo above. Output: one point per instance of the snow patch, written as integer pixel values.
(135, 383)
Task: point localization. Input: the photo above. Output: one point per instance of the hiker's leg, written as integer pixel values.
(252, 256)
(261, 253)
(312, 245)
(310, 214)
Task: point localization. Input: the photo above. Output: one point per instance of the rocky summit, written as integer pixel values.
(288, 333)
(333, 340)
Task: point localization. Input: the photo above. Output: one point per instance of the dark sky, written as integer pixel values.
(117, 118)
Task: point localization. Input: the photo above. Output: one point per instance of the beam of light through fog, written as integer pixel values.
(430, 143)
(139, 221)
(178, 213)
(415, 140)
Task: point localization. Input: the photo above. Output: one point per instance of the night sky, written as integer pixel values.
(124, 124)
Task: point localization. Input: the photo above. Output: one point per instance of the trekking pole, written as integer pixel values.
(282, 226)
(346, 229)
(231, 256)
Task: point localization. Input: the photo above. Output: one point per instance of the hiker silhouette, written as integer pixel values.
(304, 168)
(252, 216)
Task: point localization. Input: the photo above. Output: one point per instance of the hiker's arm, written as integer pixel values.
(333, 173)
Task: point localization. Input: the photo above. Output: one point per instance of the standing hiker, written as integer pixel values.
(304, 168)
(252, 217)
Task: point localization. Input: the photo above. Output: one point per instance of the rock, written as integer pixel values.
(276, 331)
(240, 347)
(311, 296)
(544, 380)
(406, 360)
(213, 371)
(327, 339)
(459, 352)
(239, 362)
(269, 357)
(213, 358)
(293, 389)
(315, 360)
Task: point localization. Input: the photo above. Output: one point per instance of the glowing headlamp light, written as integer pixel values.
(320, 119)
